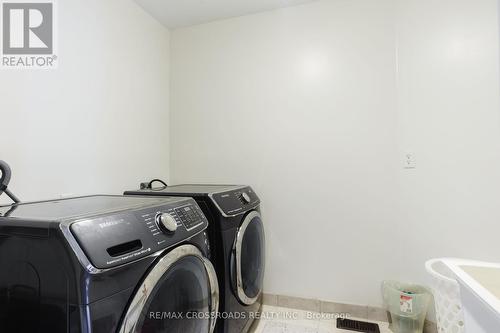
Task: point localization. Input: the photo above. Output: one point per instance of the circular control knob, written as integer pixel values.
(166, 222)
(245, 198)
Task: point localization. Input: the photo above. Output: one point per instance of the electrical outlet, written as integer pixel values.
(409, 161)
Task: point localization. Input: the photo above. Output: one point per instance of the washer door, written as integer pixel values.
(249, 250)
(179, 294)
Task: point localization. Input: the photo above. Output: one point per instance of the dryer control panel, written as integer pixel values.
(236, 202)
(119, 238)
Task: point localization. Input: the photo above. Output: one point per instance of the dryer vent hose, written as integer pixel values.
(5, 173)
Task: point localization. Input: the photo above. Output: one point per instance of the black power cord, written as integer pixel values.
(149, 185)
(5, 180)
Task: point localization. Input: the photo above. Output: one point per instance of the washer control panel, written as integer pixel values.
(116, 239)
(190, 216)
(236, 201)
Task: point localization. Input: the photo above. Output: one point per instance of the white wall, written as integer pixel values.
(449, 116)
(98, 123)
(315, 105)
(299, 103)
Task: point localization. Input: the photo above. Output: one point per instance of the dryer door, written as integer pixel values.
(249, 251)
(179, 294)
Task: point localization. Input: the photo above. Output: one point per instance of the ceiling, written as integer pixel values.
(182, 13)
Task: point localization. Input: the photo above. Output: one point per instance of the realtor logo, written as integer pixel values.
(28, 34)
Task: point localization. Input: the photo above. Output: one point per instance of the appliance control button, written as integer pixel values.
(245, 198)
(166, 222)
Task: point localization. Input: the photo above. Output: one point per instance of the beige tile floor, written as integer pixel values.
(283, 320)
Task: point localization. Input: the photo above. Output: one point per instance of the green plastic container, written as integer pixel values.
(407, 304)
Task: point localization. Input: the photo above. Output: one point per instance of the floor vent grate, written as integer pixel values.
(357, 326)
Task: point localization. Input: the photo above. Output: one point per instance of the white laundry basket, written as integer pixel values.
(446, 291)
